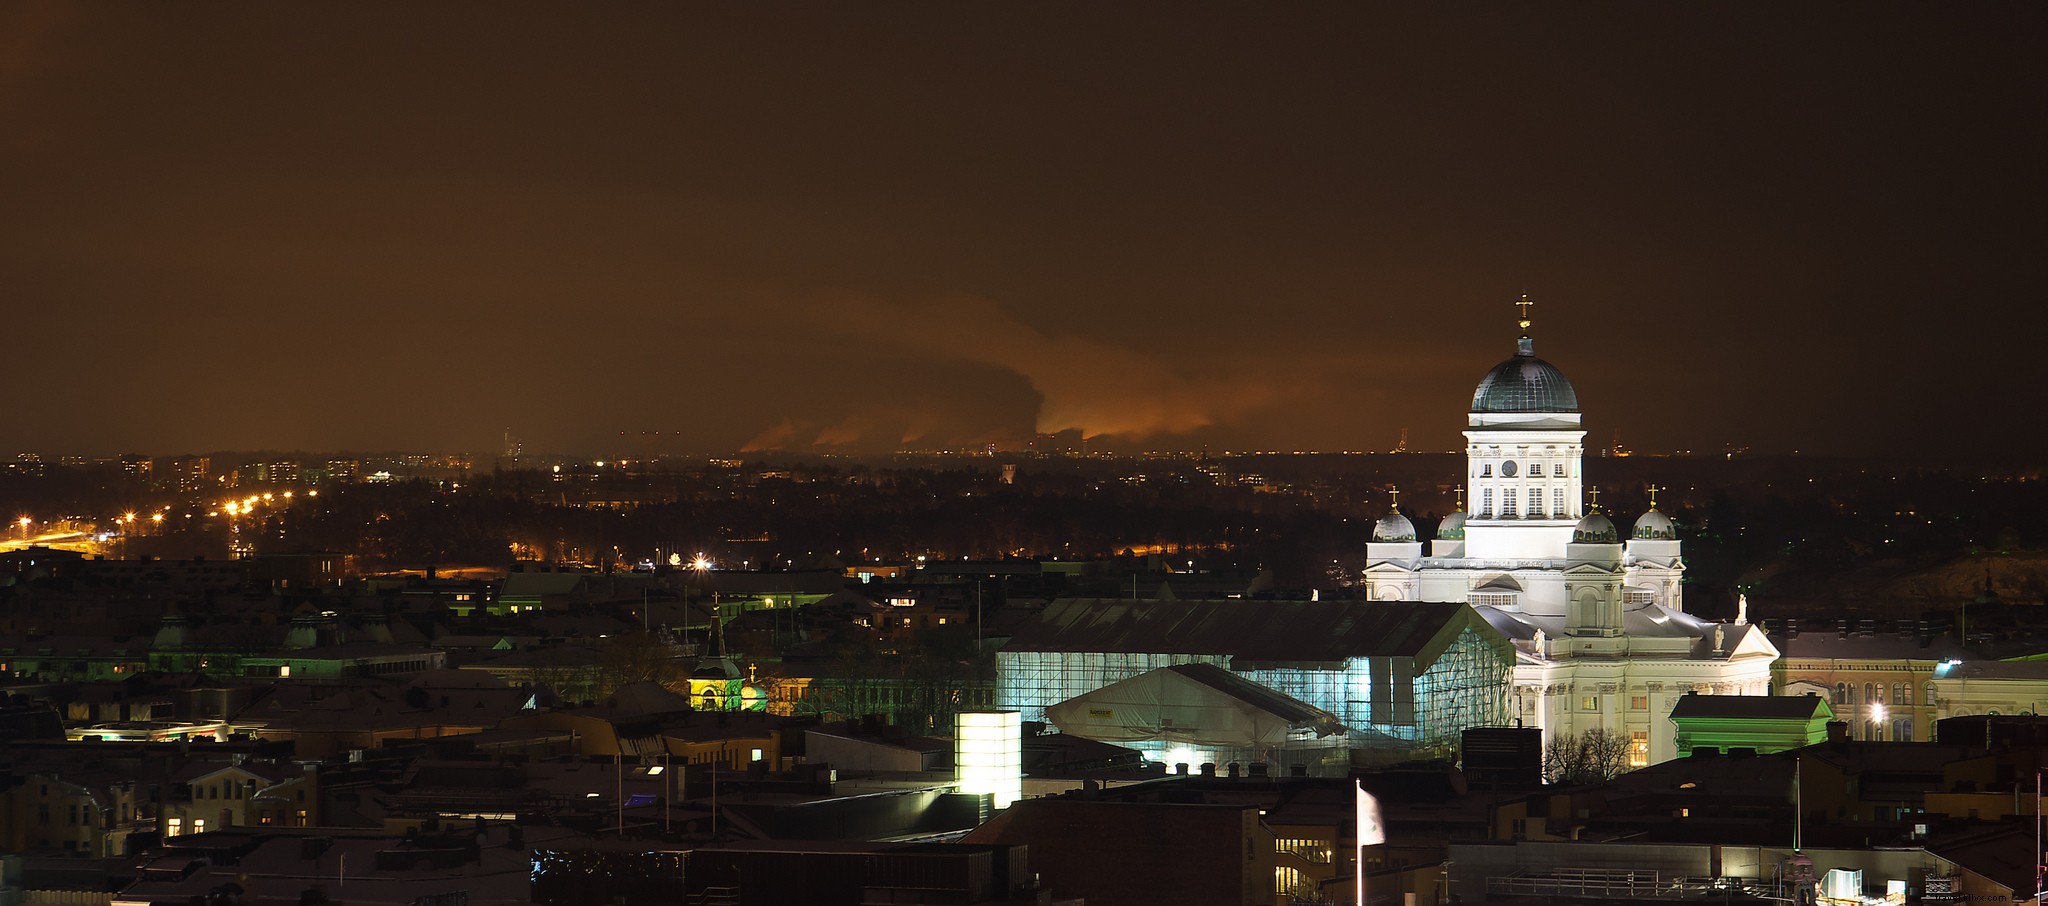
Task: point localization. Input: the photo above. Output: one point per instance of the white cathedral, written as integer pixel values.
(1600, 632)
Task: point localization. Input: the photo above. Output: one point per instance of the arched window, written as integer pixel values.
(1841, 694)
(1902, 694)
(1930, 695)
(1869, 693)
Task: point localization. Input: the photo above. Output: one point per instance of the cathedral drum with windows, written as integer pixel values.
(1601, 634)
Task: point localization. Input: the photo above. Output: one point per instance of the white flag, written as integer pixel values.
(1370, 831)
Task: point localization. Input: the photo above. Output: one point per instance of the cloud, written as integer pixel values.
(1088, 384)
(775, 438)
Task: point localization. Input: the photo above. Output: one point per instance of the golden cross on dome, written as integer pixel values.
(1395, 493)
(1594, 504)
(1524, 303)
(1461, 498)
(1653, 496)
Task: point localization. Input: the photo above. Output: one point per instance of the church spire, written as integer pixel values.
(1526, 346)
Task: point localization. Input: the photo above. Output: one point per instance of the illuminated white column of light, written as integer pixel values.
(988, 754)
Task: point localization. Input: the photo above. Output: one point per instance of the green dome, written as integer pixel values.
(1655, 526)
(1525, 383)
(1393, 527)
(1595, 529)
(1452, 528)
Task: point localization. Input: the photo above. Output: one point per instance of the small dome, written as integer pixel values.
(1452, 528)
(1595, 529)
(1525, 383)
(1655, 526)
(1393, 527)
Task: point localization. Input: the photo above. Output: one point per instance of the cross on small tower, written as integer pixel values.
(1461, 498)
(1653, 496)
(1395, 493)
(1524, 303)
(1593, 505)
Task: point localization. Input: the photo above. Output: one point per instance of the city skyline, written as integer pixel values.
(829, 229)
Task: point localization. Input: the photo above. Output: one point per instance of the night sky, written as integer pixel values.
(870, 226)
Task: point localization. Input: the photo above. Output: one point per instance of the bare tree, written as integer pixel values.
(638, 657)
(1587, 757)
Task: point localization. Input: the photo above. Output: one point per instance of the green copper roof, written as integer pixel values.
(1525, 383)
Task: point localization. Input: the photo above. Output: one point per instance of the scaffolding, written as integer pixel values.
(1385, 701)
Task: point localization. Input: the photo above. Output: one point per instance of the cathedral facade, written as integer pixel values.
(1600, 632)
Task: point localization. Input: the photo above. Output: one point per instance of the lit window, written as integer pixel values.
(1638, 749)
(1589, 703)
(199, 825)
(755, 755)
(173, 826)
(1638, 703)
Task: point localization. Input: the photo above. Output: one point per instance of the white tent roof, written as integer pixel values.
(1197, 704)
